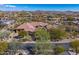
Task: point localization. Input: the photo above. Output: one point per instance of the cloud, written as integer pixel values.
(7, 6)
(11, 6)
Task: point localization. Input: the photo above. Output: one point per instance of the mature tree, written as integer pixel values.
(75, 45)
(74, 33)
(49, 17)
(3, 47)
(22, 33)
(59, 50)
(26, 38)
(43, 45)
(57, 34)
(69, 18)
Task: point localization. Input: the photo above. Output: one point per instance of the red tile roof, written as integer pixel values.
(31, 26)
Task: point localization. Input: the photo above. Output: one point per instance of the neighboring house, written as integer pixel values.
(76, 18)
(6, 22)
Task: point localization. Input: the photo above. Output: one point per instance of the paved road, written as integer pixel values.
(57, 42)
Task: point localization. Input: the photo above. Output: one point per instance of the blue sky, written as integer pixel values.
(33, 7)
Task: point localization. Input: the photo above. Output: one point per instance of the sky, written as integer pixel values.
(44, 7)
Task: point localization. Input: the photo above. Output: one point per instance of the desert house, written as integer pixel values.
(31, 26)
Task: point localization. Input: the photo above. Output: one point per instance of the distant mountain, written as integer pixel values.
(48, 12)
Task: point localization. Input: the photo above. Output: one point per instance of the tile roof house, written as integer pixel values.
(31, 26)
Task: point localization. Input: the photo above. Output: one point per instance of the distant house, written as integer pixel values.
(76, 18)
(4, 21)
(31, 26)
